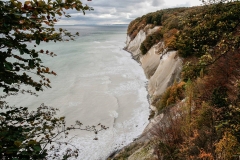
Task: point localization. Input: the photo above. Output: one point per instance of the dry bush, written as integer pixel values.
(166, 135)
(172, 95)
(170, 38)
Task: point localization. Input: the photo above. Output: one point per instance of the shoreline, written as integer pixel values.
(158, 79)
(142, 137)
(146, 85)
(133, 57)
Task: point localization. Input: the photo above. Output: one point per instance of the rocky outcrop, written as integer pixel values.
(161, 66)
(167, 72)
(133, 46)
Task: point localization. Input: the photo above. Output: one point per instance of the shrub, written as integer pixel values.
(172, 95)
(150, 41)
(170, 38)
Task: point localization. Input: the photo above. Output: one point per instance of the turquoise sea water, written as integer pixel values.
(96, 82)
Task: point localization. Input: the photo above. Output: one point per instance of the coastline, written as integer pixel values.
(142, 138)
(146, 85)
(136, 57)
(103, 85)
(162, 67)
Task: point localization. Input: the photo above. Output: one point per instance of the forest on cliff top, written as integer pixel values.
(208, 40)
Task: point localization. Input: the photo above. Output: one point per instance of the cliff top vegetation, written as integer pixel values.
(208, 40)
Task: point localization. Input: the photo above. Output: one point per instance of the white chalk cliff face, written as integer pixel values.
(134, 45)
(167, 72)
(161, 67)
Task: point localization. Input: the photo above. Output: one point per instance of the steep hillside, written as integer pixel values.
(191, 57)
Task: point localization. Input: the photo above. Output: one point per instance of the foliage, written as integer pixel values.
(172, 20)
(172, 95)
(219, 97)
(229, 120)
(29, 135)
(150, 41)
(170, 38)
(209, 31)
(191, 70)
(208, 38)
(158, 18)
(215, 1)
(139, 23)
(24, 24)
(194, 31)
(167, 134)
(227, 147)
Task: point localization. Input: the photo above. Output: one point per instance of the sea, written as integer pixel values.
(97, 82)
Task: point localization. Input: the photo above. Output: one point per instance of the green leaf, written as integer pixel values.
(8, 66)
(17, 143)
(21, 51)
(31, 63)
(32, 142)
(5, 90)
(37, 88)
(37, 148)
(26, 51)
(37, 41)
(53, 14)
(35, 55)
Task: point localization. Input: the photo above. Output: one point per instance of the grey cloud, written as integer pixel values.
(128, 10)
(158, 2)
(119, 11)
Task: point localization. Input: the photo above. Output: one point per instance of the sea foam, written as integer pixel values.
(97, 82)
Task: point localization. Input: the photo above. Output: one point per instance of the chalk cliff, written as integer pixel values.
(161, 66)
(202, 107)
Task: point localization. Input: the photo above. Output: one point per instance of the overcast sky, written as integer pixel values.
(122, 11)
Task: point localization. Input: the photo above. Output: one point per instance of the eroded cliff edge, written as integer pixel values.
(162, 66)
(195, 99)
